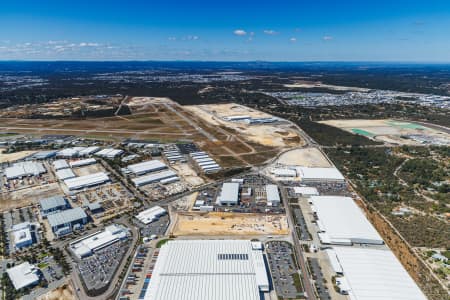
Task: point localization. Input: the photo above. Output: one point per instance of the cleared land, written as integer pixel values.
(392, 131)
(14, 156)
(307, 157)
(64, 292)
(215, 223)
(27, 196)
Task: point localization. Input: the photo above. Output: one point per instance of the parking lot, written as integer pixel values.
(300, 223)
(157, 227)
(319, 279)
(285, 275)
(17, 216)
(98, 269)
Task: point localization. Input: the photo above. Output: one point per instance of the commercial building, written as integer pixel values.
(150, 215)
(82, 162)
(374, 274)
(155, 177)
(306, 191)
(70, 152)
(86, 181)
(86, 246)
(318, 175)
(146, 167)
(65, 221)
(23, 169)
(208, 269)
(60, 164)
(272, 195)
(110, 153)
(283, 172)
(23, 275)
(229, 194)
(44, 154)
(88, 151)
(341, 221)
(52, 205)
(21, 234)
(64, 174)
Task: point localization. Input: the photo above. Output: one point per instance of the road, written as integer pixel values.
(309, 288)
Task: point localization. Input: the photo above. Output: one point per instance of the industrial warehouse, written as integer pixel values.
(372, 274)
(82, 182)
(149, 215)
(23, 169)
(209, 269)
(65, 221)
(146, 167)
(154, 177)
(96, 241)
(341, 221)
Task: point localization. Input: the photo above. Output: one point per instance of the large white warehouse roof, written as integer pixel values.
(343, 221)
(208, 269)
(306, 173)
(87, 245)
(146, 167)
(86, 181)
(82, 162)
(149, 215)
(154, 177)
(25, 168)
(376, 274)
(23, 275)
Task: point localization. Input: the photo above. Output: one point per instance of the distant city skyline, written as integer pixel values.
(387, 31)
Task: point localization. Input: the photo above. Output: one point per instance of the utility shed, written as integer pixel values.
(376, 274)
(208, 269)
(343, 222)
(229, 195)
(23, 275)
(272, 195)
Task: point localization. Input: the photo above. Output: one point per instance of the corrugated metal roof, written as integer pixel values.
(155, 177)
(376, 274)
(66, 216)
(52, 202)
(60, 164)
(64, 174)
(82, 162)
(320, 173)
(341, 218)
(229, 193)
(192, 269)
(272, 193)
(25, 168)
(86, 181)
(146, 166)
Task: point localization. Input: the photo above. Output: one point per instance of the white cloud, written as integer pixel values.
(327, 38)
(240, 32)
(293, 39)
(270, 32)
(172, 38)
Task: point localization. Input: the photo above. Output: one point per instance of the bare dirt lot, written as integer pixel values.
(64, 292)
(27, 196)
(393, 131)
(307, 157)
(90, 169)
(215, 223)
(14, 156)
(188, 174)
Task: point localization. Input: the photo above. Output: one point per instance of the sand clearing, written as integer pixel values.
(14, 156)
(64, 292)
(217, 223)
(188, 174)
(307, 157)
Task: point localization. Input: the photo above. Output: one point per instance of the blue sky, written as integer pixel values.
(312, 30)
